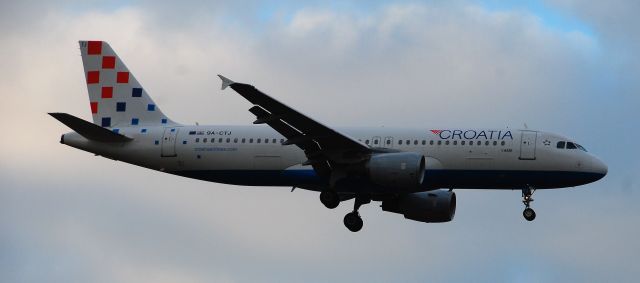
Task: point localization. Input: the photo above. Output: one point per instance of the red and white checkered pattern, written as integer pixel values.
(110, 83)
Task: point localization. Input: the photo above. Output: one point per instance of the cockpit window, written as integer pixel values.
(570, 145)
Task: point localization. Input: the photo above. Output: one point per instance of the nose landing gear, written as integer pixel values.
(528, 213)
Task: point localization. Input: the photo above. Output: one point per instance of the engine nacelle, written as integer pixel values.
(397, 170)
(433, 206)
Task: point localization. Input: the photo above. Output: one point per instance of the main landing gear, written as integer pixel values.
(330, 199)
(528, 213)
(352, 220)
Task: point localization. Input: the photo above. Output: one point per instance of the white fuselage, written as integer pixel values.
(253, 155)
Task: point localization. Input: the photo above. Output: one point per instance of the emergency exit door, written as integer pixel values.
(388, 142)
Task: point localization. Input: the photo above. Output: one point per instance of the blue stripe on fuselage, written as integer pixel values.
(474, 179)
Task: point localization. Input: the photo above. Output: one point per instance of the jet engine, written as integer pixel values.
(433, 206)
(403, 170)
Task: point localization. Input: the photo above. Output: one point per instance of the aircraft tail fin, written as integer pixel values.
(89, 130)
(117, 99)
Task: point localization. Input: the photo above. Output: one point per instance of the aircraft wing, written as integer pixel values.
(324, 147)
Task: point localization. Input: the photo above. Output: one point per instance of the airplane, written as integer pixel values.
(411, 172)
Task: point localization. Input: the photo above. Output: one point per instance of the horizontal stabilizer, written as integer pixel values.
(89, 130)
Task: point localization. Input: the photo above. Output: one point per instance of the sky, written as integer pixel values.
(564, 66)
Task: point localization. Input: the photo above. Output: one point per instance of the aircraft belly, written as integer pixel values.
(505, 179)
(256, 177)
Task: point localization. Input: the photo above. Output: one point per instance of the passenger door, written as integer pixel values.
(169, 142)
(528, 145)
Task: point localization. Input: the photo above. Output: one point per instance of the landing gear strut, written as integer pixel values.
(352, 220)
(528, 213)
(330, 199)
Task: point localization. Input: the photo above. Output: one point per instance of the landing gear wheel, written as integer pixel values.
(330, 199)
(529, 214)
(353, 221)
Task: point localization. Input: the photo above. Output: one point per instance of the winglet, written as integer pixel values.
(225, 82)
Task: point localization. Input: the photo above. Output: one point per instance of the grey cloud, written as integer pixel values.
(614, 22)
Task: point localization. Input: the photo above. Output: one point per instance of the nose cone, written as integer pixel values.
(599, 167)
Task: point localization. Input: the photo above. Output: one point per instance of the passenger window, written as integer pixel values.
(570, 145)
(228, 140)
(266, 140)
(408, 142)
(479, 143)
(431, 142)
(375, 142)
(243, 140)
(388, 142)
(486, 143)
(258, 140)
(204, 140)
(400, 142)
(197, 139)
(213, 140)
(502, 143)
(366, 142)
(446, 143)
(273, 141)
(281, 140)
(250, 140)
(424, 142)
(561, 144)
(235, 140)
(462, 142)
(220, 140)
(415, 142)
(439, 142)
(455, 142)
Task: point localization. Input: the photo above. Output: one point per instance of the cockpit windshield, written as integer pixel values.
(570, 145)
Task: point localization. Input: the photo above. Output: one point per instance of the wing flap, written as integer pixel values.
(323, 146)
(298, 121)
(294, 136)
